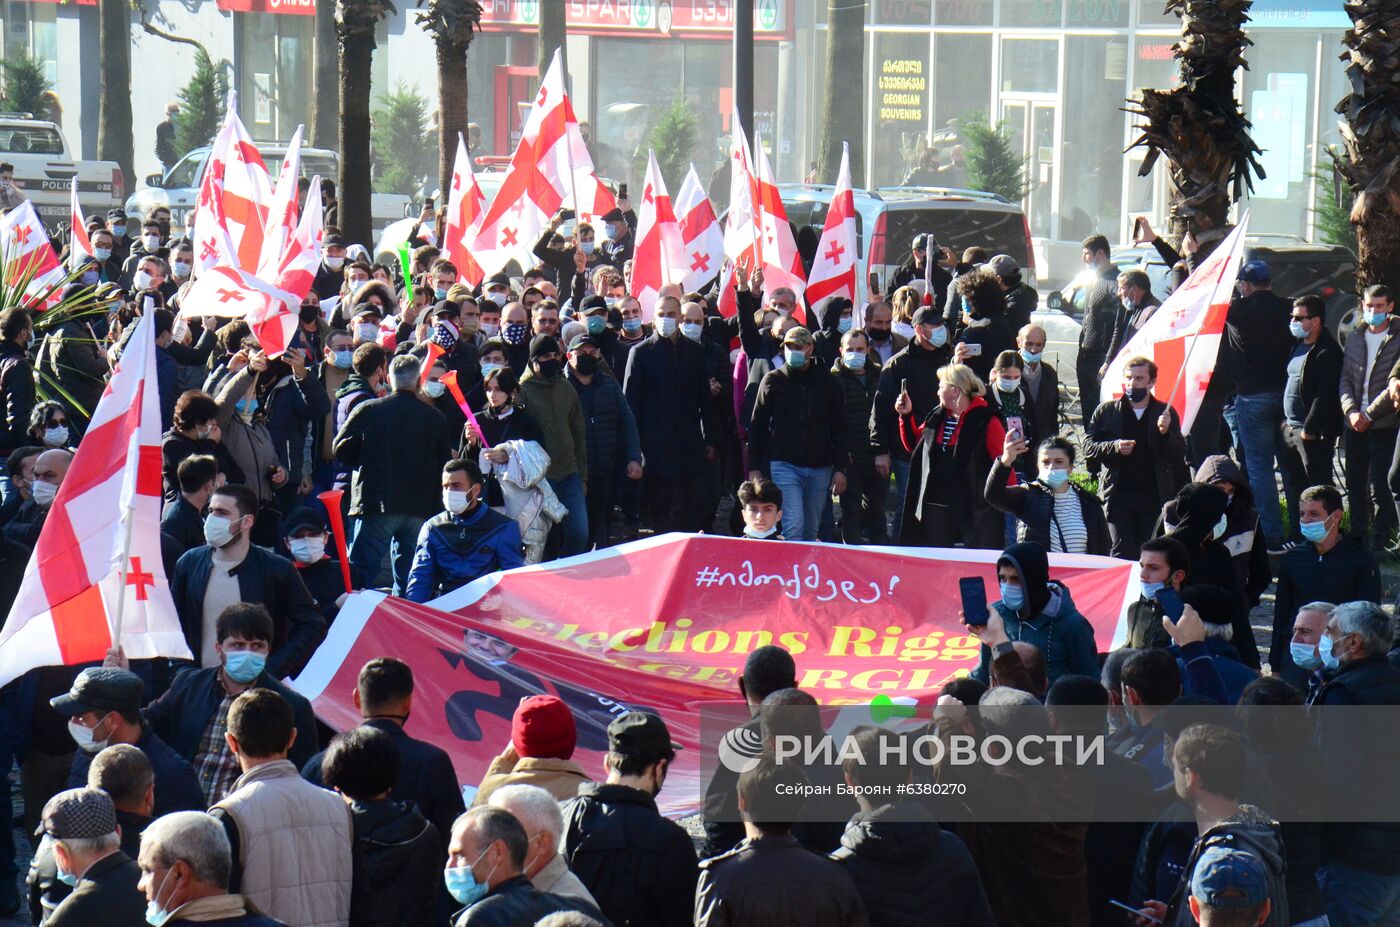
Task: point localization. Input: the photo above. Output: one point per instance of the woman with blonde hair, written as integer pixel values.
(951, 453)
(903, 304)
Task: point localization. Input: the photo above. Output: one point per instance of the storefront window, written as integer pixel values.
(1154, 13)
(963, 12)
(1029, 65)
(1045, 14)
(1278, 95)
(1097, 13)
(903, 12)
(33, 28)
(1153, 67)
(900, 105)
(1091, 186)
(274, 77)
(962, 78)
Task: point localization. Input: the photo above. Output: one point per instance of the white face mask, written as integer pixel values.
(367, 331)
(44, 493)
(456, 500)
(308, 550)
(150, 242)
(141, 280)
(218, 531)
(181, 268)
(433, 388)
(57, 436)
(83, 737)
(490, 329)
(334, 263)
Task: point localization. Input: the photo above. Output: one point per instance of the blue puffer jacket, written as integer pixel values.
(610, 429)
(453, 550)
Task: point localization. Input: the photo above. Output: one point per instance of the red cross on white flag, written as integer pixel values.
(700, 232)
(834, 270)
(660, 253)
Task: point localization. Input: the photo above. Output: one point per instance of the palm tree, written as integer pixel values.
(1199, 126)
(453, 25)
(325, 91)
(843, 111)
(1371, 139)
(114, 139)
(354, 22)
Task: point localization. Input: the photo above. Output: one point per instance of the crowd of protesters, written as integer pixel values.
(476, 429)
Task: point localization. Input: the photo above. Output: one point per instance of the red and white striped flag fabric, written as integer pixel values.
(834, 268)
(295, 270)
(742, 239)
(701, 236)
(466, 205)
(234, 193)
(659, 258)
(79, 244)
(282, 216)
(226, 291)
(1183, 335)
(98, 554)
(29, 256)
(782, 265)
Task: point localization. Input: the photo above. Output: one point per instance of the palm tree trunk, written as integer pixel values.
(114, 132)
(325, 94)
(356, 57)
(553, 31)
(843, 112)
(452, 107)
(1371, 135)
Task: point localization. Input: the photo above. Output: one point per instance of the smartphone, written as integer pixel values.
(566, 214)
(430, 204)
(1171, 603)
(1139, 230)
(622, 191)
(973, 590)
(1135, 912)
(974, 350)
(904, 386)
(1016, 426)
(873, 281)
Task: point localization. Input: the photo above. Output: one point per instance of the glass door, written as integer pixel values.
(1031, 127)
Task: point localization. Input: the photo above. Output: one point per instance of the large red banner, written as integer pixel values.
(665, 625)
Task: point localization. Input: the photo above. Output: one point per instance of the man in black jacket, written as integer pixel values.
(903, 864)
(1101, 310)
(397, 446)
(798, 435)
(16, 379)
(639, 866)
(1253, 360)
(1312, 414)
(1137, 441)
(192, 715)
(668, 386)
(1041, 380)
(82, 823)
(1360, 872)
(229, 570)
(183, 518)
(915, 370)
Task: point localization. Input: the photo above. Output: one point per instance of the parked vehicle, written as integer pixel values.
(45, 168)
(887, 219)
(178, 188)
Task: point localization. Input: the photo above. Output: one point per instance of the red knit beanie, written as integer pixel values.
(543, 726)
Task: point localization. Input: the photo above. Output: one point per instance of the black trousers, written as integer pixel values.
(1304, 464)
(602, 493)
(1086, 368)
(863, 505)
(674, 503)
(1130, 523)
(1370, 461)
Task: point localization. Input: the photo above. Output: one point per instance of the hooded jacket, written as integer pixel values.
(1243, 540)
(911, 873)
(553, 403)
(396, 861)
(1048, 619)
(1252, 831)
(1199, 508)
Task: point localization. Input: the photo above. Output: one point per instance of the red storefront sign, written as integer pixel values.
(712, 19)
(285, 7)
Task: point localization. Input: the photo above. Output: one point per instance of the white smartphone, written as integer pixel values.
(1135, 912)
(974, 349)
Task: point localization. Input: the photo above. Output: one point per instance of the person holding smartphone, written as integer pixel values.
(984, 335)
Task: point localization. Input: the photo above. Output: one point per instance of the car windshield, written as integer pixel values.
(811, 214)
(182, 175)
(30, 140)
(958, 227)
(1300, 275)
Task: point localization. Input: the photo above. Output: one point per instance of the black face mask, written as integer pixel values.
(309, 314)
(550, 369)
(878, 334)
(586, 364)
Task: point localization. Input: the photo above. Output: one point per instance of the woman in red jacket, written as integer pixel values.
(951, 454)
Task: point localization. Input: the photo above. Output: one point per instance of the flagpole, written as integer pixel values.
(568, 143)
(122, 574)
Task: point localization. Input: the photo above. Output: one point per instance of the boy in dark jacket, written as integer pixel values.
(397, 854)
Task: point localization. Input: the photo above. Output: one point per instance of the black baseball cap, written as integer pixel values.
(643, 735)
(581, 340)
(927, 315)
(304, 517)
(333, 240)
(101, 688)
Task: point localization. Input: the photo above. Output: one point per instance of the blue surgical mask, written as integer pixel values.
(181, 268)
(631, 326)
(244, 665)
(156, 913)
(1008, 385)
(1220, 528)
(596, 324)
(844, 325)
(342, 359)
(462, 884)
(1306, 656)
(692, 330)
(1313, 531)
(1150, 590)
(1030, 358)
(611, 230)
(64, 876)
(439, 293)
(1297, 330)
(939, 337)
(245, 405)
(1054, 478)
(118, 231)
(666, 326)
(90, 278)
(794, 358)
(586, 247)
(1324, 650)
(854, 360)
(1013, 597)
(102, 254)
(1374, 319)
(489, 370)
